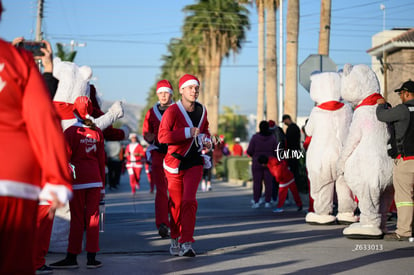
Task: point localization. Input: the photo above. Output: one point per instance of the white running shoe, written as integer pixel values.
(187, 250)
(175, 247)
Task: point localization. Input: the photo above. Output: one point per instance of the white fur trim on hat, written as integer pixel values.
(189, 82)
(164, 89)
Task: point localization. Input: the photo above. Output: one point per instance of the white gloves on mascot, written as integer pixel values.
(364, 161)
(328, 126)
(74, 82)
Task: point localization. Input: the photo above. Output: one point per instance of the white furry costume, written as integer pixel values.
(74, 82)
(366, 166)
(328, 125)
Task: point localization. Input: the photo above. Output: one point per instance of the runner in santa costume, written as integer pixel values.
(33, 159)
(135, 161)
(184, 126)
(86, 148)
(156, 153)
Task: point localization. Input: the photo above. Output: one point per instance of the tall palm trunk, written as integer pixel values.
(261, 68)
(213, 113)
(325, 27)
(271, 63)
(291, 83)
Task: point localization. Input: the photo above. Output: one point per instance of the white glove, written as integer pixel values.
(117, 110)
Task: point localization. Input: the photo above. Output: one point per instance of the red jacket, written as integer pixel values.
(175, 130)
(152, 122)
(32, 145)
(237, 150)
(280, 170)
(135, 155)
(86, 148)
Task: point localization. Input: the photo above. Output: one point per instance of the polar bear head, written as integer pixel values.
(325, 87)
(73, 80)
(358, 82)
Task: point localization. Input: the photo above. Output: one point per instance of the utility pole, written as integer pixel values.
(39, 34)
(281, 94)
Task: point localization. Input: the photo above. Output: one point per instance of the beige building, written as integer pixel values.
(393, 60)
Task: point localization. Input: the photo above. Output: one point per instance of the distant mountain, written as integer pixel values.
(132, 113)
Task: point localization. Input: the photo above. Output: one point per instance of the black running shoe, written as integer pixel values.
(163, 231)
(44, 270)
(65, 264)
(93, 264)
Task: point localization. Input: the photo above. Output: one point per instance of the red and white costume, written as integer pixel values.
(87, 154)
(151, 125)
(135, 160)
(33, 159)
(280, 170)
(182, 184)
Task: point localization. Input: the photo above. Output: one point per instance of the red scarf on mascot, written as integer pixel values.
(331, 105)
(369, 100)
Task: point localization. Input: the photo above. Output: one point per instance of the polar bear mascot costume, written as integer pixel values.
(328, 126)
(364, 161)
(74, 82)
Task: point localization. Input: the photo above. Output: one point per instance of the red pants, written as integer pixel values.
(182, 188)
(161, 195)
(148, 170)
(283, 190)
(84, 208)
(134, 177)
(44, 231)
(17, 235)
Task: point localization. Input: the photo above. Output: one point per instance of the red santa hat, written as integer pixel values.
(82, 107)
(187, 80)
(164, 86)
(272, 124)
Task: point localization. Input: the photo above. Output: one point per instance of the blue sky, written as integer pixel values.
(126, 39)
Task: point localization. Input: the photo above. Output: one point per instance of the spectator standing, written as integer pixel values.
(134, 162)
(292, 145)
(277, 131)
(262, 143)
(156, 152)
(402, 116)
(43, 173)
(184, 126)
(114, 156)
(85, 143)
(237, 148)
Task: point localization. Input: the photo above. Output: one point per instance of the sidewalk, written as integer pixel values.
(232, 238)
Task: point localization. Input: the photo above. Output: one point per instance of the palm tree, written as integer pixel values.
(261, 68)
(291, 82)
(271, 60)
(325, 27)
(63, 54)
(222, 24)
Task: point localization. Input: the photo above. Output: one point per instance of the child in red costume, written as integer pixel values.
(135, 161)
(184, 127)
(86, 148)
(279, 169)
